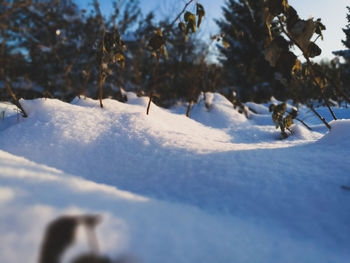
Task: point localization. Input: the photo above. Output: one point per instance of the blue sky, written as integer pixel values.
(332, 13)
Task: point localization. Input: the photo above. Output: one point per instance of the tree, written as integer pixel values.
(13, 65)
(182, 71)
(243, 57)
(54, 46)
(162, 35)
(345, 54)
(62, 46)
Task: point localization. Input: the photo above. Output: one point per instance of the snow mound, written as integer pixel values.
(301, 132)
(338, 135)
(258, 108)
(216, 111)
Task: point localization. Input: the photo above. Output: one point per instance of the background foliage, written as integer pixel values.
(49, 49)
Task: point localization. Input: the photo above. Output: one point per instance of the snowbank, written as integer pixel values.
(214, 188)
(339, 135)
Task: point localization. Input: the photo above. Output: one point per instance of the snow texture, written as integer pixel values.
(216, 187)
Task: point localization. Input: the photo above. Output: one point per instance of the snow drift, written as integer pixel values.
(214, 188)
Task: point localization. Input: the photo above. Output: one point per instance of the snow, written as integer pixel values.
(258, 108)
(339, 134)
(216, 187)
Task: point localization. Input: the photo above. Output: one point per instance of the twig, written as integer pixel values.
(156, 68)
(179, 15)
(318, 115)
(302, 122)
(317, 38)
(14, 99)
(101, 76)
(155, 81)
(100, 70)
(189, 108)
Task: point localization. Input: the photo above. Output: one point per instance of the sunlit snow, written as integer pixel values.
(216, 187)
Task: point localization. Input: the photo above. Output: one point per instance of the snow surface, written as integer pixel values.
(214, 188)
